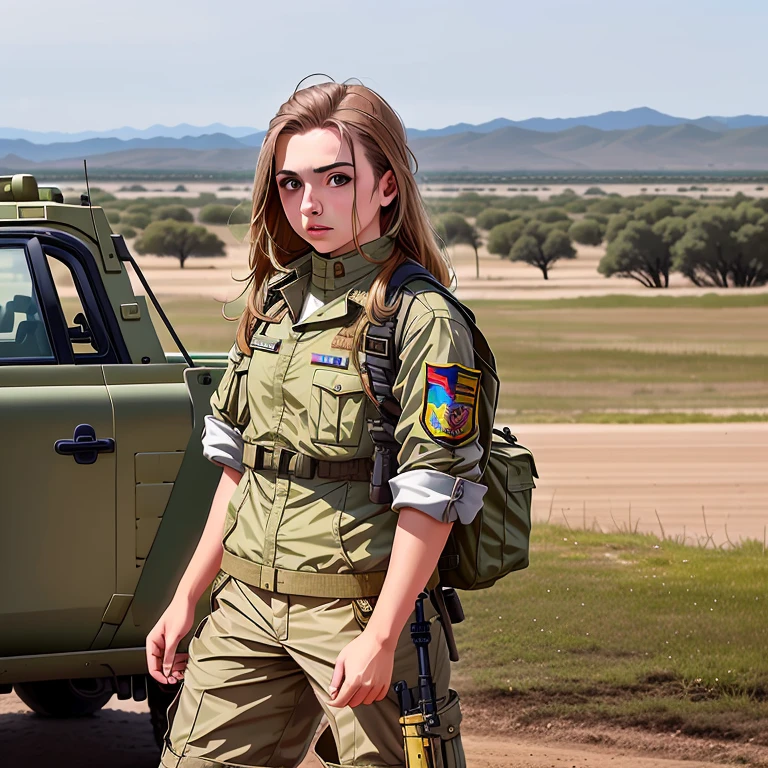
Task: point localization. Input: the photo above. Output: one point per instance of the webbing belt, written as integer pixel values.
(286, 461)
(307, 583)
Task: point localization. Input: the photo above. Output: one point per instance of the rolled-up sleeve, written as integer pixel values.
(438, 390)
(222, 439)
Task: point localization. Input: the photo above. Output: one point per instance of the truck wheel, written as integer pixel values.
(159, 698)
(65, 698)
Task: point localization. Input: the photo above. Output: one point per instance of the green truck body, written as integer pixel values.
(104, 490)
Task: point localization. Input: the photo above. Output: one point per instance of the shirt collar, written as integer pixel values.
(331, 276)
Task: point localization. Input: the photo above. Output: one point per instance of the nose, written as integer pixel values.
(309, 203)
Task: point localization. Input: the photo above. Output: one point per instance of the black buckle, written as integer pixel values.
(286, 454)
(258, 459)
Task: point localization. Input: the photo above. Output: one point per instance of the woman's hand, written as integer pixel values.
(363, 672)
(163, 664)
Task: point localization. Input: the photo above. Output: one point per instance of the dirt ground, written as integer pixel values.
(120, 736)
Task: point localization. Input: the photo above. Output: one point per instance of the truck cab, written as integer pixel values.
(104, 489)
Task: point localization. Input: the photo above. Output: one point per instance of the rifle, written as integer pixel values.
(418, 705)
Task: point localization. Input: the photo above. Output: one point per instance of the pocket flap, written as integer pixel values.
(337, 383)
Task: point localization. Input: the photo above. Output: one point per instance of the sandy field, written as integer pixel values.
(499, 278)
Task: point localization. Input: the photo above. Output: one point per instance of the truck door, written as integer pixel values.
(57, 453)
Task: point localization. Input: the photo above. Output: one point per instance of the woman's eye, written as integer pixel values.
(343, 179)
(285, 184)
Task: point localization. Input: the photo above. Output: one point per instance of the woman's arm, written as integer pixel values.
(206, 561)
(365, 665)
(418, 543)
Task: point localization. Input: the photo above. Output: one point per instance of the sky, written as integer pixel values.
(90, 65)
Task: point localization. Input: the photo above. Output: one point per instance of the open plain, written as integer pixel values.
(702, 483)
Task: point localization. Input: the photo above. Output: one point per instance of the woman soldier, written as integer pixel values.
(305, 552)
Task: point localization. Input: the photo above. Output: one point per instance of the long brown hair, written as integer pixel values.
(359, 111)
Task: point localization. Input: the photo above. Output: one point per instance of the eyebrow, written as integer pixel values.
(321, 169)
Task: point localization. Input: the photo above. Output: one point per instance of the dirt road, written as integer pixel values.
(119, 736)
(622, 475)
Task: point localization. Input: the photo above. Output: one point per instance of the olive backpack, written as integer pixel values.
(496, 542)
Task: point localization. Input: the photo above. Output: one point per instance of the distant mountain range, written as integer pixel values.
(590, 143)
(606, 121)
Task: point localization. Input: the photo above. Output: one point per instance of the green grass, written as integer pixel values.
(593, 360)
(625, 628)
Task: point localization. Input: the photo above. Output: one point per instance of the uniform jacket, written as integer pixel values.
(299, 390)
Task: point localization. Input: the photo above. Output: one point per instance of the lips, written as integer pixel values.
(318, 228)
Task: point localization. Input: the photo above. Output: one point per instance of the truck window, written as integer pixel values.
(79, 319)
(23, 335)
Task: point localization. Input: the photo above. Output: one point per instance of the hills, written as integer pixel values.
(647, 141)
(605, 121)
(649, 148)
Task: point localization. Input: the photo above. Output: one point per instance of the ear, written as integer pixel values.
(387, 188)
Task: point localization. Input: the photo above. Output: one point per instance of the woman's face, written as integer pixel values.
(316, 180)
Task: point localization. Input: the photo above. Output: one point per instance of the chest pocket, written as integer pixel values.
(336, 408)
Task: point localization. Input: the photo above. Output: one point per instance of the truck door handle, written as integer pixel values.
(84, 446)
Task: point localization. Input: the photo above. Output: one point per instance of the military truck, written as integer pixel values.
(104, 490)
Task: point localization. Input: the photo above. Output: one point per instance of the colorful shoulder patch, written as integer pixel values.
(449, 409)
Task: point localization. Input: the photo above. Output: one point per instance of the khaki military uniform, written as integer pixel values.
(305, 550)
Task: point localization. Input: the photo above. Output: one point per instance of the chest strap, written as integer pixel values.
(307, 583)
(285, 461)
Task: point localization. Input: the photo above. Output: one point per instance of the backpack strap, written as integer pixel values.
(382, 363)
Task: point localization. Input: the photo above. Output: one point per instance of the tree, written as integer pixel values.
(491, 217)
(175, 212)
(454, 228)
(655, 210)
(587, 232)
(616, 223)
(541, 246)
(179, 239)
(215, 213)
(725, 247)
(643, 252)
(136, 219)
(551, 215)
(502, 237)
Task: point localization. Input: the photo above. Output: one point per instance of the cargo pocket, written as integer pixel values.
(336, 408)
(451, 749)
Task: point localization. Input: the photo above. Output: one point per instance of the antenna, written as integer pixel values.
(90, 208)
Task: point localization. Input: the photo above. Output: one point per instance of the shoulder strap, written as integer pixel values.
(382, 362)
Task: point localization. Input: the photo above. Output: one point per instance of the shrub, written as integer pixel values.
(175, 212)
(215, 213)
(138, 220)
(490, 217)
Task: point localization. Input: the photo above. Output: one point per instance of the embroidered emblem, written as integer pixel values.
(338, 269)
(449, 408)
(358, 297)
(260, 341)
(333, 361)
(363, 609)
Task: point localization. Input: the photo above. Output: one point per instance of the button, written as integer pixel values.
(337, 388)
(451, 729)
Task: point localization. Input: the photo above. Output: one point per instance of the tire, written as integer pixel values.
(65, 698)
(159, 698)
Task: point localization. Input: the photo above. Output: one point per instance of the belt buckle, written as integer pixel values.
(305, 466)
(286, 454)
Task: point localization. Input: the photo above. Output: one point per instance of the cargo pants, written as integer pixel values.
(256, 686)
